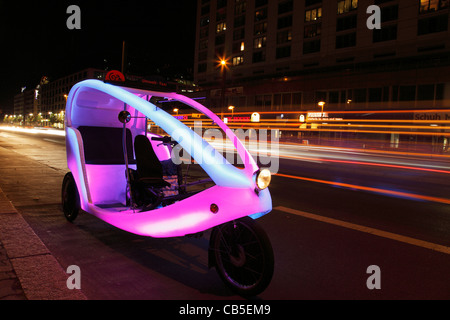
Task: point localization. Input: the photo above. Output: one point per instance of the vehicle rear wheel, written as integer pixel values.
(243, 256)
(70, 198)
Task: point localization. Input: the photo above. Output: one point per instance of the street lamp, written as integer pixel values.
(321, 104)
(176, 111)
(232, 110)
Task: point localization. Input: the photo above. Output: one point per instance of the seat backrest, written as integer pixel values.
(103, 145)
(147, 163)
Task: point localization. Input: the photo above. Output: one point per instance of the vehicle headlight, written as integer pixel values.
(263, 179)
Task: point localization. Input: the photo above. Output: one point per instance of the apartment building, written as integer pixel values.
(291, 54)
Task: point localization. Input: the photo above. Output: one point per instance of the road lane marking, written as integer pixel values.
(376, 232)
(371, 189)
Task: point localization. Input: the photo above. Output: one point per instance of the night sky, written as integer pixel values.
(35, 40)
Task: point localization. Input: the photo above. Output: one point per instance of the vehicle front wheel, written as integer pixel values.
(70, 198)
(243, 256)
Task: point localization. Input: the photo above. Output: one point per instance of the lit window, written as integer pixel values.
(238, 60)
(221, 27)
(313, 15)
(346, 6)
(259, 43)
(433, 5)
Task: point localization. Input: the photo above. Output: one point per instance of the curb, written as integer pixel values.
(39, 273)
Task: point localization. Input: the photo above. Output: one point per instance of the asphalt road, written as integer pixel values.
(331, 222)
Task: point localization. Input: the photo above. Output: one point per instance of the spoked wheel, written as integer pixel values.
(243, 256)
(70, 198)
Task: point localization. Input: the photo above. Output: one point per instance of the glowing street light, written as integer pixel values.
(232, 110)
(321, 104)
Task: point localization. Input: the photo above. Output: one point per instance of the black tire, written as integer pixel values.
(70, 198)
(243, 256)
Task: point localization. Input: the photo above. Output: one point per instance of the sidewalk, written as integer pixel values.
(28, 270)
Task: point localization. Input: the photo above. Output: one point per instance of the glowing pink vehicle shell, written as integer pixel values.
(95, 103)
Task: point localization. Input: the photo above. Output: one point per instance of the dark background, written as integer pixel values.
(35, 40)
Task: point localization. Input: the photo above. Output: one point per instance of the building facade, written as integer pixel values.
(291, 54)
(53, 95)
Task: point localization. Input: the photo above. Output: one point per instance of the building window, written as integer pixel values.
(312, 2)
(240, 7)
(204, 21)
(260, 14)
(202, 56)
(346, 40)
(283, 52)
(263, 101)
(432, 5)
(238, 47)
(385, 34)
(389, 13)
(202, 67)
(221, 3)
(345, 23)
(284, 36)
(221, 15)
(259, 43)
(285, 6)
(345, 6)
(239, 34)
(313, 14)
(432, 25)
(312, 30)
(260, 28)
(238, 60)
(407, 93)
(284, 22)
(239, 21)
(260, 3)
(311, 46)
(259, 56)
(220, 39)
(204, 32)
(222, 26)
(205, 10)
(425, 92)
(203, 44)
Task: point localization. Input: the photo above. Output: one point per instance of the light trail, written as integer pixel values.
(369, 189)
(53, 132)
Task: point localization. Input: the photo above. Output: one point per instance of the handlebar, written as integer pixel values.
(165, 140)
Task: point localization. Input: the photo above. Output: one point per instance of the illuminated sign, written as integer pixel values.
(239, 119)
(311, 116)
(181, 117)
(115, 75)
(255, 117)
(431, 116)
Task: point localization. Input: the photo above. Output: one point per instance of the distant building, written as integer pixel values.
(291, 54)
(26, 102)
(53, 95)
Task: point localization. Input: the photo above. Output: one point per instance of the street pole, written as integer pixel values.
(224, 79)
(123, 58)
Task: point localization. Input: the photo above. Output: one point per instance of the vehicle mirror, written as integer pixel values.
(124, 116)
